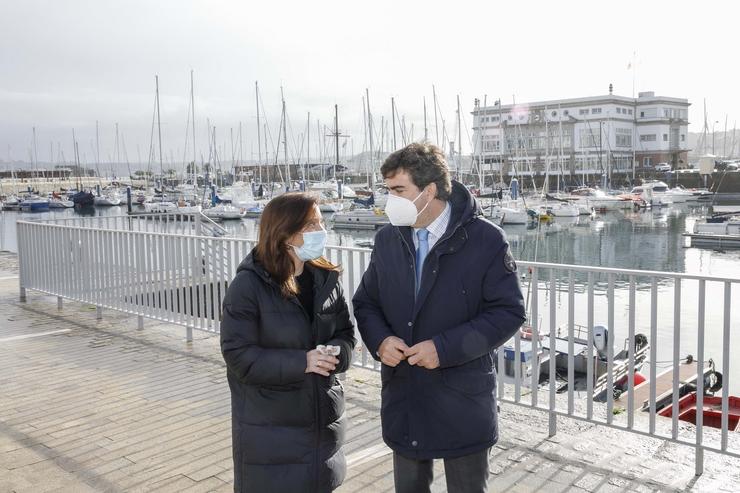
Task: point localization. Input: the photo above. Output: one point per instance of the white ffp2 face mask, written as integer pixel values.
(402, 211)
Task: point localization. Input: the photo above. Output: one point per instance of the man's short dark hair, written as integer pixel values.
(425, 163)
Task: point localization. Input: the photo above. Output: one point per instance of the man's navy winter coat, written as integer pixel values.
(287, 425)
(469, 303)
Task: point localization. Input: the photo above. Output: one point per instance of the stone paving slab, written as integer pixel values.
(106, 407)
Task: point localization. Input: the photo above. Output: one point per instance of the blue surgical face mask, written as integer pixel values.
(313, 245)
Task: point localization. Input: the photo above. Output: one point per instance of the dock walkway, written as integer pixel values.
(88, 405)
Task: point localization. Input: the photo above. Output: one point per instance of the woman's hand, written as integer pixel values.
(322, 364)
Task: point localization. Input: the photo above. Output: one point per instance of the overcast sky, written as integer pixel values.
(66, 64)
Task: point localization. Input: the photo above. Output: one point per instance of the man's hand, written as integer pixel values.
(423, 354)
(391, 351)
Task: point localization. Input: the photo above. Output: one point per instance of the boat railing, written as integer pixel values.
(165, 271)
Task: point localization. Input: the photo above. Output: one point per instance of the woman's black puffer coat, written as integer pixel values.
(287, 425)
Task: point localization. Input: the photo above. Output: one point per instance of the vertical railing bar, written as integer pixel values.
(610, 351)
(571, 342)
(179, 275)
(536, 345)
(108, 268)
(676, 355)
(653, 350)
(187, 285)
(162, 268)
(364, 352)
(517, 366)
(171, 262)
(699, 452)
(631, 364)
(726, 366)
(553, 354)
(590, 349)
(203, 284)
(140, 267)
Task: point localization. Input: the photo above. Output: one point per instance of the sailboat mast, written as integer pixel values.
(436, 123)
(259, 129)
(97, 153)
(35, 153)
(308, 144)
(393, 115)
(285, 144)
(459, 138)
(426, 134)
(370, 131)
(192, 107)
(159, 128)
(560, 153)
(336, 138)
(705, 126)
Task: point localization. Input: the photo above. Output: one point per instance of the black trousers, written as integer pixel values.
(467, 474)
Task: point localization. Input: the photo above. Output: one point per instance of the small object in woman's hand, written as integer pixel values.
(333, 350)
(329, 350)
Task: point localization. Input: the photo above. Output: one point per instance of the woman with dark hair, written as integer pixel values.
(287, 406)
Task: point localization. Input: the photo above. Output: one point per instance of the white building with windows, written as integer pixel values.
(582, 136)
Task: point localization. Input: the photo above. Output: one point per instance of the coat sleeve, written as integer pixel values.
(371, 322)
(501, 315)
(344, 337)
(245, 358)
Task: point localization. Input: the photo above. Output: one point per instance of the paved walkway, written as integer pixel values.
(89, 405)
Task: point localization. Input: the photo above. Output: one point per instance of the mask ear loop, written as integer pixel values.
(425, 207)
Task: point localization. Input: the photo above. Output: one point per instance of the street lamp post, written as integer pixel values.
(713, 124)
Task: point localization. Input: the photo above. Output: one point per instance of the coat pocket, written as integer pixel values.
(471, 381)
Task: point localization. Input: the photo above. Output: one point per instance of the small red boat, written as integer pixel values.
(712, 411)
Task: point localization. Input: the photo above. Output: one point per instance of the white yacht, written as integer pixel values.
(225, 212)
(596, 199)
(111, 197)
(720, 230)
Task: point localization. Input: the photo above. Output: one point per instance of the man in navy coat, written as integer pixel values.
(440, 294)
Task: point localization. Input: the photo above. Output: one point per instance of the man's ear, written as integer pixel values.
(433, 187)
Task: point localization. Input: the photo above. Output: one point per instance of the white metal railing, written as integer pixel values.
(167, 273)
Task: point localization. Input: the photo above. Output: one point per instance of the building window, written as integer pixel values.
(554, 113)
(630, 111)
(647, 138)
(595, 111)
(642, 114)
(624, 137)
(509, 117)
(619, 110)
(565, 112)
(665, 137)
(590, 137)
(683, 137)
(647, 162)
(583, 111)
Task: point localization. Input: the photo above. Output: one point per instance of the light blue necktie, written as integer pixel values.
(421, 254)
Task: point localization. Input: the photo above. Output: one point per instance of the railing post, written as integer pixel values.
(553, 417)
(98, 312)
(140, 323)
(699, 461)
(23, 295)
(60, 301)
(189, 333)
(198, 224)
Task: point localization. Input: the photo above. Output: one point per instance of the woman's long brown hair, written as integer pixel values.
(283, 217)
